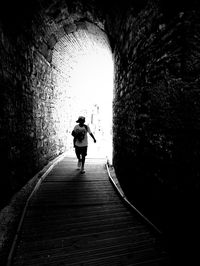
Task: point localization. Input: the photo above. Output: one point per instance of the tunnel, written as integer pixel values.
(155, 100)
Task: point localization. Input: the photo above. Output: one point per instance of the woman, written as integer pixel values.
(81, 141)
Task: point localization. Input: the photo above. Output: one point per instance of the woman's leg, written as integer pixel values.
(84, 154)
(83, 164)
(78, 155)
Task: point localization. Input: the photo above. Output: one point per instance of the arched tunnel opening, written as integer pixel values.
(155, 115)
(84, 69)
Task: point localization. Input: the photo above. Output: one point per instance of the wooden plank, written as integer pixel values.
(76, 219)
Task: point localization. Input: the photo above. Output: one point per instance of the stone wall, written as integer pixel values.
(156, 112)
(33, 122)
(29, 138)
(156, 98)
(156, 107)
(16, 108)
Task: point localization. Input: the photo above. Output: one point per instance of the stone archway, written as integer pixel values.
(83, 68)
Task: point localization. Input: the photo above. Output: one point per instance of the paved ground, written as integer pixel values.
(79, 219)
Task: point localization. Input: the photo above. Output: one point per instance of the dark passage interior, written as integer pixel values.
(155, 47)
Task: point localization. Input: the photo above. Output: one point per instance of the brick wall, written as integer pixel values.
(16, 108)
(29, 118)
(157, 107)
(34, 127)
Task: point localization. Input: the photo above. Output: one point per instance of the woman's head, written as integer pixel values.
(81, 120)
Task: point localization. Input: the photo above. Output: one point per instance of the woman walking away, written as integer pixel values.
(81, 141)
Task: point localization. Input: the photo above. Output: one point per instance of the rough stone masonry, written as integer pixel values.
(156, 107)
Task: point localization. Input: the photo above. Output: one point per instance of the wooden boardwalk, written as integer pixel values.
(79, 219)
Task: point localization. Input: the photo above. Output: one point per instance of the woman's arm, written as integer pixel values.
(93, 137)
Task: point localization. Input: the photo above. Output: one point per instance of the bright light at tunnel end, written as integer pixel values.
(88, 90)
